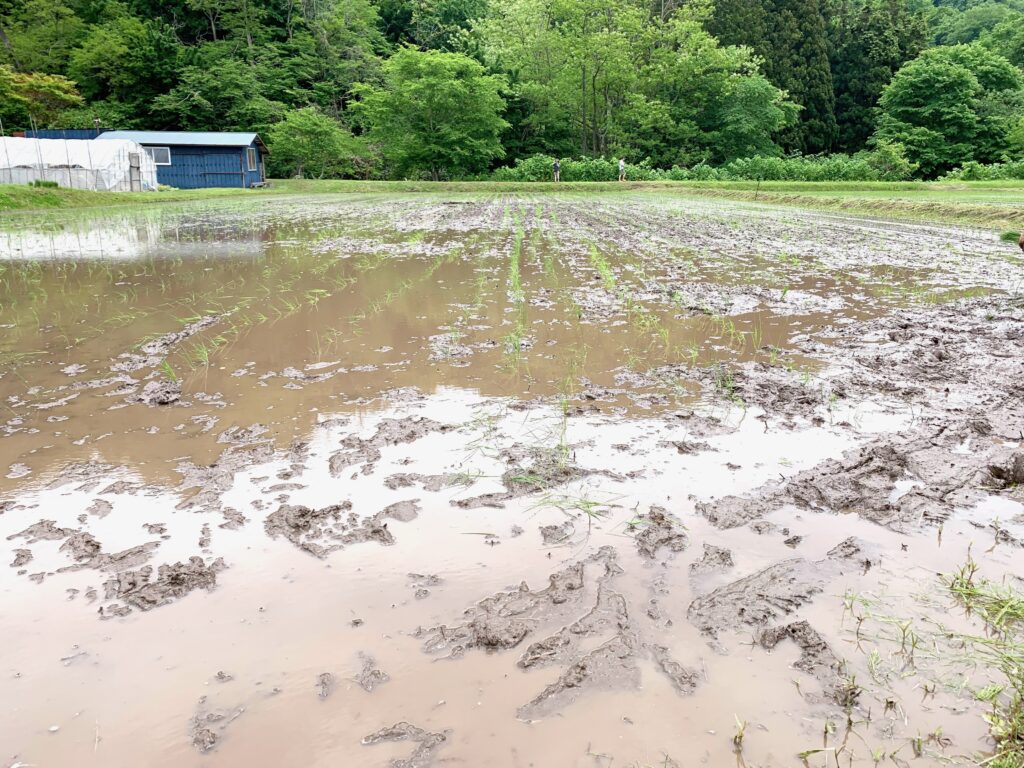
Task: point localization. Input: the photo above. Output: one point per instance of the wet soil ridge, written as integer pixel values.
(901, 482)
(660, 531)
(505, 620)
(130, 587)
(153, 352)
(427, 743)
(816, 658)
(532, 469)
(776, 591)
(141, 590)
(764, 599)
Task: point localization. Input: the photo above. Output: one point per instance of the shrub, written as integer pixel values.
(887, 162)
(993, 172)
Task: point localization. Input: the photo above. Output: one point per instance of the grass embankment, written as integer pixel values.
(996, 205)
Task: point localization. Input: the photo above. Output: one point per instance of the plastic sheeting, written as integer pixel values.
(78, 164)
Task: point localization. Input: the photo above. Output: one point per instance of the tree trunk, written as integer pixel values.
(10, 49)
(583, 113)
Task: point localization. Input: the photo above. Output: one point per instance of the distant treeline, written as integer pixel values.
(464, 88)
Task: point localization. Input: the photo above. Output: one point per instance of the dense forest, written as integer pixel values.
(456, 88)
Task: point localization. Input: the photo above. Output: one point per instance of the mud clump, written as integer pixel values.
(402, 511)
(138, 589)
(370, 676)
(206, 726)
(153, 352)
(683, 679)
(356, 450)
(659, 532)
(432, 483)
(323, 531)
(99, 508)
(44, 530)
(427, 743)
(159, 392)
(1009, 474)
(502, 621)
(324, 685)
(714, 559)
(774, 591)
(611, 665)
(556, 534)
(84, 549)
(816, 656)
(21, 557)
(531, 470)
(81, 546)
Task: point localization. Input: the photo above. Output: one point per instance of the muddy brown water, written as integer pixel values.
(552, 480)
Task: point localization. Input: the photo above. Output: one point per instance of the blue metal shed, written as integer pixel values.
(196, 160)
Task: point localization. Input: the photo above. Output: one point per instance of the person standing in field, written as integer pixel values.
(556, 169)
(622, 169)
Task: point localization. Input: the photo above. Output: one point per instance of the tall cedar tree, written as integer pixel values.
(796, 60)
(790, 35)
(740, 22)
(872, 39)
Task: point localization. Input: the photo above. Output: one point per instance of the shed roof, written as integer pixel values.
(188, 138)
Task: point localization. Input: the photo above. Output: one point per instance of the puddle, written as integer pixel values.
(504, 480)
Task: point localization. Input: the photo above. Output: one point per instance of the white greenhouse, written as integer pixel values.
(105, 166)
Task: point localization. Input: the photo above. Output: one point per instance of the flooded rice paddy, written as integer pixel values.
(554, 480)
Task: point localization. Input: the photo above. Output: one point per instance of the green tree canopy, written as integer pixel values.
(436, 113)
(950, 106)
(872, 39)
(610, 77)
(31, 100)
(307, 143)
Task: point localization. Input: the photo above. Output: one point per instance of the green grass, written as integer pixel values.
(998, 205)
(1001, 608)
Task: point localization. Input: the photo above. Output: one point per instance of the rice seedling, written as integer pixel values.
(604, 270)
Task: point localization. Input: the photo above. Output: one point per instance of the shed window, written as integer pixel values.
(160, 155)
(252, 159)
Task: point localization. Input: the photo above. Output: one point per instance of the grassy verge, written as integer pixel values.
(16, 197)
(996, 205)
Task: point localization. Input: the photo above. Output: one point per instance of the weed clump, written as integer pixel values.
(1001, 608)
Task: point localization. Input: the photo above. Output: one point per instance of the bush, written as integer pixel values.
(44, 184)
(994, 172)
(539, 168)
(886, 162)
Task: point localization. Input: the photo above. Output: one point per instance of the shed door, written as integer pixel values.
(224, 169)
